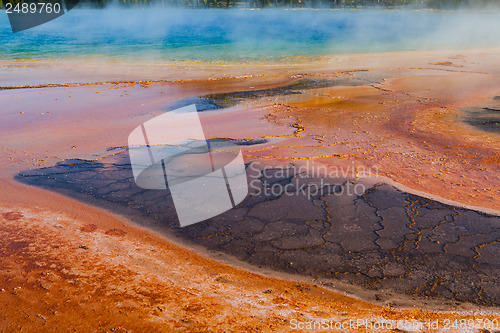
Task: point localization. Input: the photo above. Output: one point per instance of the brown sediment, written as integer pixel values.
(412, 135)
(90, 227)
(407, 126)
(321, 227)
(55, 276)
(445, 63)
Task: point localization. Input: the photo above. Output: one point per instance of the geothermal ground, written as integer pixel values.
(423, 235)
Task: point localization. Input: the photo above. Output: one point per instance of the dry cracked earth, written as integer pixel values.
(381, 239)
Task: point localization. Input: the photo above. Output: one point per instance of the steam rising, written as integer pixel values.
(166, 34)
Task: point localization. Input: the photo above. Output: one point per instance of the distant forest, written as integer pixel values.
(438, 4)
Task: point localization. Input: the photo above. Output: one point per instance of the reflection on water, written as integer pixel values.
(485, 117)
(162, 34)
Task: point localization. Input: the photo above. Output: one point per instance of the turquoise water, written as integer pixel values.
(161, 34)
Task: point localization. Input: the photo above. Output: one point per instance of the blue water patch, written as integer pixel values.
(163, 34)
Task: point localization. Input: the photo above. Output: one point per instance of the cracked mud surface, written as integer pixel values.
(382, 239)
(403, 113)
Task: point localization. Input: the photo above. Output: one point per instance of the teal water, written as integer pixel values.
(162, 34)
